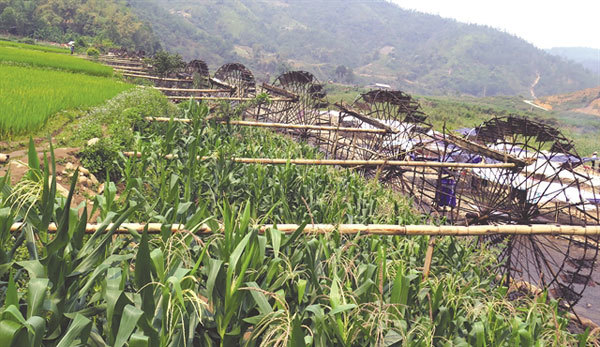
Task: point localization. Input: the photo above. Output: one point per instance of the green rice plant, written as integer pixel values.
(52, 60)
(32, 96)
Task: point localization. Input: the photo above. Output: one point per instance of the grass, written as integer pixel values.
(31, 96)
(17, 55)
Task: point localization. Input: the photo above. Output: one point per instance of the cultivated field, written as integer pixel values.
(37, 94)
(21, 54)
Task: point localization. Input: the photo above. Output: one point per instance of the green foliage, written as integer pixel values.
(164, 62)
(240, 286)
(31, 96)
(93, 52)
(78, 20)
(102, 158)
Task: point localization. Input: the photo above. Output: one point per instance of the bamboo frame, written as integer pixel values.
(4, 158)
(370, 229)
(277, 125)
(336, 162)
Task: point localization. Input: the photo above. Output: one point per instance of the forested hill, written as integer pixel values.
(377, 40)
(99, 22)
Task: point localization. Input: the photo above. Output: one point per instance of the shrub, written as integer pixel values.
(102, 158)
(93, 52)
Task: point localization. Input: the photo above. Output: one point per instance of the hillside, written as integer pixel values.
(587, 57)
(585, 101)
(365, 42)
(101, 22)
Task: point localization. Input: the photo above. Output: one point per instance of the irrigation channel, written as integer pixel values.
(507, 174)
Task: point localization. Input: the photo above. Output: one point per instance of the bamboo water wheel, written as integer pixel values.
(197, 70)
(237, 76)
(308, 99)
(548, 188)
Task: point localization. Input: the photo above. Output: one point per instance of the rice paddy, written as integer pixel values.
(37, 94)
(23, 55)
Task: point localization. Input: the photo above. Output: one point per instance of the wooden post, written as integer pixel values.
(428, 257)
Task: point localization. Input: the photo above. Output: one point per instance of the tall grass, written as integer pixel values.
(16, 55)
(30, 96)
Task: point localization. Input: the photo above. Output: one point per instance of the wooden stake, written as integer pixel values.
(428, 257)
(375, 229)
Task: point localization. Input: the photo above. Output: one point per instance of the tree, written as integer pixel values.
(9, 20)
(164, 62)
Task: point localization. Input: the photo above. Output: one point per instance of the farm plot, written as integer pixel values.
(242, 286)
(23, 55)
(37, 94)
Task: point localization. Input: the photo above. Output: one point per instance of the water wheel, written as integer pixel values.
(300, 98)
(548, 187)
(197, 70)
(394, 112)
(237, 76)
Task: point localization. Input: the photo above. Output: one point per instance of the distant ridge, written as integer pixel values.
(360, 42)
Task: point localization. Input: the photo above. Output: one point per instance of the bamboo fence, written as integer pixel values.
(369, 229)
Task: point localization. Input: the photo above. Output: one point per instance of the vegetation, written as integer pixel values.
(164, 62)
(101, 22)
(31, 55)
(39, 81)
(239, 286)
(376, 40)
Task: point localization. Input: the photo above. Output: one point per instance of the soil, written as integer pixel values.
(66, 162)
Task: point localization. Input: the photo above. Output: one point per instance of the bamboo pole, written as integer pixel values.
(486, 151)
(157, 78)
(369, 120)
(122, 67)
(225, 98)
(4, 158)
(336, 162)
(193, 90)
(277, 125)
(371, 229)
(280, 91)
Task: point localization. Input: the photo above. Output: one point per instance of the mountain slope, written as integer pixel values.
(378, 40)
(588, 57)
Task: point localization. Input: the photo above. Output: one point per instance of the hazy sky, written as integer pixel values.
(545, 23)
